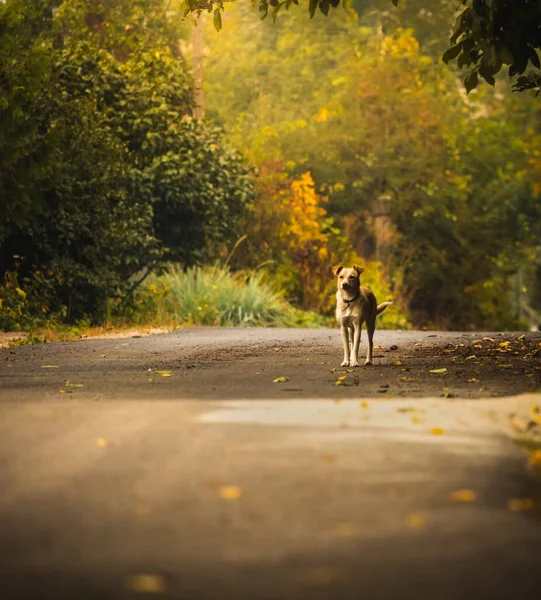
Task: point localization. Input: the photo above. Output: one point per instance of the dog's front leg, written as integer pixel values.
(345, 342)
(357, 328)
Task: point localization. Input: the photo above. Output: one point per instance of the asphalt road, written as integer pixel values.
(213, 482)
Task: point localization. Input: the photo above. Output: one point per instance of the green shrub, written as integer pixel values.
(211, 296)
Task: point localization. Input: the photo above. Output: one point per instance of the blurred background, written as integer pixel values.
(156, 171)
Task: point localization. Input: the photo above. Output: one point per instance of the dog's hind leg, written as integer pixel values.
(345, 342)
(370, 328)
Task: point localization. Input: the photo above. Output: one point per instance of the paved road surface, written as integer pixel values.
(126, 488)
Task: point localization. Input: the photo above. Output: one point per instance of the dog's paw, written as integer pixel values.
(368, 362)
(345, 363)
(353, 363)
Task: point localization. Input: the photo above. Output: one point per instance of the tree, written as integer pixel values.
(370, 114)
(487, 34)
(104, 173)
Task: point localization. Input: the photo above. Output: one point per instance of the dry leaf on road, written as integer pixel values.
(463, 496)
(230, 492)
(146, 583)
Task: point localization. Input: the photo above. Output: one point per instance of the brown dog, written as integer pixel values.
(355, 305)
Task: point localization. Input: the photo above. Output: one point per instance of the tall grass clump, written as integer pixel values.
(213, 295)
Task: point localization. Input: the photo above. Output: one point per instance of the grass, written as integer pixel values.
(213, 296)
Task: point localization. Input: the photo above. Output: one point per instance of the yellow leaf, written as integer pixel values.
(472, 380)
(163, 373)
(504, 344)
(75, 385)
(438, 371)
(397, 363)
(470, 357)
(146, 583)
(463, 496)
(416, 521)
(344, 530)
(487, 339)
(363, 404)
(281, 379)
(343, 378)
(534, 410)
(417, 420)
(518, 504)
(50, 367)
(329, 457)
(230, 492)
(101, 442)
(322, 576)
(437, 431)
(142, 509)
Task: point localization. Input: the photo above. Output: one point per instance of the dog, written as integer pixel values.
(355, 305)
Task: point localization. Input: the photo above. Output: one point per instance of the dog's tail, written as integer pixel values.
(382, 307)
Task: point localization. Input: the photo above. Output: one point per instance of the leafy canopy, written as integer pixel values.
(487, 34)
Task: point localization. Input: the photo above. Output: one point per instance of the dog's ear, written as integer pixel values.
(336, 269)
(358, 269)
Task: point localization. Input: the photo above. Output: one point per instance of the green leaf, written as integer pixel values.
(217, 20)
(395, 2)
(438, 371)
(451, 53)
(312, 7)
(324, 6)
(471, 81)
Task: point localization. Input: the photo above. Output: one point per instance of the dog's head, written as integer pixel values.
(348, 278)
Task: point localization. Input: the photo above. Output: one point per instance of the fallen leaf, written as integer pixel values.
(437, 431)
(417, 420)
(101, 442)
(230, 492)
(150, 380)
(163, 373)
(363, 404)
(102, 355)
(438, 371)
(406, 379)
(521, 337)
(504, 366)
(518, 504)
(415, 521)
(504, 344)
(343, 378)
(487, 339)
(146, 583)
(463, 496)
(472, 380)
(281, 379)
(142, 509)
(534, 410)
(344, 530)
(477, 346)
(333, 369)
(329, 457)
(322, 576)
(472, 356)
(75, 385)
(50, 367)
(397, 363)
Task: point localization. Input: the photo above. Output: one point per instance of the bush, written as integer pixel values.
(211, 296)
